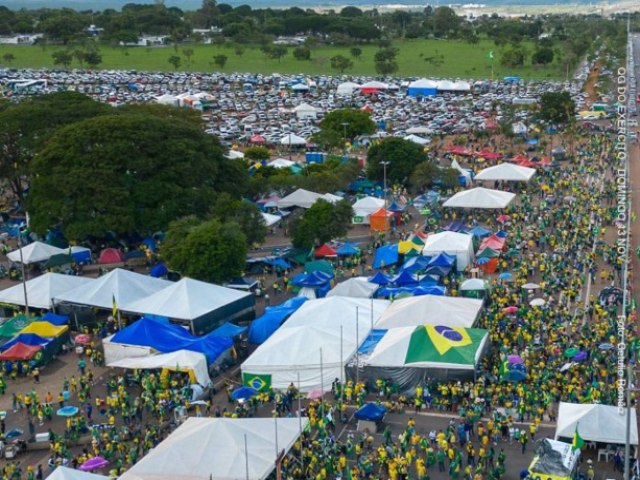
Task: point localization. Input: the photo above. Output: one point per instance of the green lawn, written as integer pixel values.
(460, 60)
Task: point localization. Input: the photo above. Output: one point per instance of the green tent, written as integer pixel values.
(488, 253)
(14, 325)
(318, 266)
(59, 260)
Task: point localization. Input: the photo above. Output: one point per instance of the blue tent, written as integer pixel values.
(442, 260)
(512, 79)
(479, 232)
(395, 208)
(54, 319)
(404, 278)
(502, 234)
(263, 327)
(380, 279)
(311, 280)
(456, 226)
(134, 254)
(385, 256)
(82, 257)
(347, 249)
(371, 412)
(277, 262)
(415, 264)
(28, 339)
(150, 243)
(416, 291)
(438, 271)
(228, 330)
(158, 271)
(371, 341)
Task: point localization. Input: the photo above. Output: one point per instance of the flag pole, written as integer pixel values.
(275, 421)
(357, 351)
(246, 456)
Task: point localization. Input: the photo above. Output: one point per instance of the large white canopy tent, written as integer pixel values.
(183, 360)
(347, 88)
(417, 139)
(596, 423)
(460, 245)
(270, 220)
(43, 289)
(364, 207)
(304, 199)
(214, 448)
(35, 252)
(120, 285)
(355, 287)
(304, 110)
(281, 163)
(294, 349)
(508, 172)
(66, 473)
(480, 198)
(292, 140)
(431, 309)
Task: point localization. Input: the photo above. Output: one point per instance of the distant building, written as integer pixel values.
(20, 39)
(148, 41)
(94, 31)
(293, 41)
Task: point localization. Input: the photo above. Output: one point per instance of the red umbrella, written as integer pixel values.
(82, 339)
(510, 310)
(502, 218)
(257, 139)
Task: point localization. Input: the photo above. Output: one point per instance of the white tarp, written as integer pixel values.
(271, 220)
(181, 359)
(206, 448)
(366, 206)
(281, 163)
(561, 457)
(375, 84)
(596, 423)
(234, 155)
(419, 130)
(65, 473)
(316, 326)
(456, 166)
(35, 252)
(300, 198)
(480, 198)
(292, 139)
(43, 289)
(391, 351)
(186, 299)
(355, 287)
(416, 139)
(347, 88)
(119, 284)
(457, 244)
(431, 309)
(508, 172)
(114, 352)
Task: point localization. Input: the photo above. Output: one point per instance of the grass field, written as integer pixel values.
(460, 60)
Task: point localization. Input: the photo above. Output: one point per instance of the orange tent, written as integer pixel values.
(379, 220)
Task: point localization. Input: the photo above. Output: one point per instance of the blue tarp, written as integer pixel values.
(347, 249)
(311, 280)
(28, 339)
(380, 279)
(429, 198)
(263, 327)
(395, 207)
(158, 271)
(479, 232)
(371, 341)
(442, 260)
(456, 226)
(371, 412)
(415, 291)
(277, 262)
(415, 264)
(150, 243)
(404, 278)
(502, 234)
(228, 330)
(167, 337)
(385, 256)
(438, 271)
(82, 257)
(134, 254)
(54, 319)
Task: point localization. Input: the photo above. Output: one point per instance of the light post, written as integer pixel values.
(385, 164)
(24, 275)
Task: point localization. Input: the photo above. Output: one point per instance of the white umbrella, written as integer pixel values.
(530, 286)
(537, 302)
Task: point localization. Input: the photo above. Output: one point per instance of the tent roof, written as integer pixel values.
(180, 359)
(270, 220)
(35, 252)
(448, 242)
(367, 205)
(354, 287)
(45, 329)
(416, 139)
(300, 198)
(375, 84)
(480, 198)
(292, 139)
(65, 473)
(305, 107)
(431, 309)
(204, 448)
(20, 351)
(423, 83)
(596, 423)
(186, 299)
(43, 289)
(506, 171)
(281, 163)
(123, 285)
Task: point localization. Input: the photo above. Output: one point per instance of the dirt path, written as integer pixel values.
(590, 84)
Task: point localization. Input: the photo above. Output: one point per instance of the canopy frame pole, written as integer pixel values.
(24, 275)
(357, 350)
(275, 421)
(246, 457)
(300, 424)
(321, 385)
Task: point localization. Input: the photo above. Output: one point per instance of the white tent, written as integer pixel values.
(446, 86)
(355, 287)
(43, 289)
(331, 198)
(461, 86)
(234, 155)
(304, 110)
(35, 252)
(168, 99)
(508, 172)
(347, 88)
(375, 84)
(392, 349)
(596, 423)
(474, 284)
(206, 448)
(300, 198)
(295, 348)
(416, 139)
(433, 310)
(181, 359)
(271, 220)
(419, 130)
(292, 140)
(186, 299)
(364, 207)
(453, 243)
(122, 285)
(281, 163)
(467, 175)
(65, 473)
(480, 198)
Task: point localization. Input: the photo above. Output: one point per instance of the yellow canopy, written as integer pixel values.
(45, 329)
(406, 246)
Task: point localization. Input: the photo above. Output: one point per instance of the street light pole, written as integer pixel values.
(24, 275)
(385, 164)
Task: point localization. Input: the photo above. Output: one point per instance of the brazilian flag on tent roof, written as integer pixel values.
(443, 344)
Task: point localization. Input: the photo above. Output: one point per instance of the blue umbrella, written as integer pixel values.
(68, 411)
(505, 276)
(605, 346)
(483, 260)
(13, 433)
(243, 393)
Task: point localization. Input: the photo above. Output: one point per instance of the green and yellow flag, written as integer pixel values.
(577, 442)
(443, 344)
(490, 55)
(114, 306)
(259, 382)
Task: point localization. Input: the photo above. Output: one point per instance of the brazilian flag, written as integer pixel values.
(444, 344)
(259, 382)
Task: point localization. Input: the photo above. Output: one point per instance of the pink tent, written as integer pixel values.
(111, 255)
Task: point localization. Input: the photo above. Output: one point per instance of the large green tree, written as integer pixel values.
(246, 214)
(210, 251)
(321, 223)
(126, 173)
(28, 125)
(556, 107)
(344, 124)
(404, 156)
